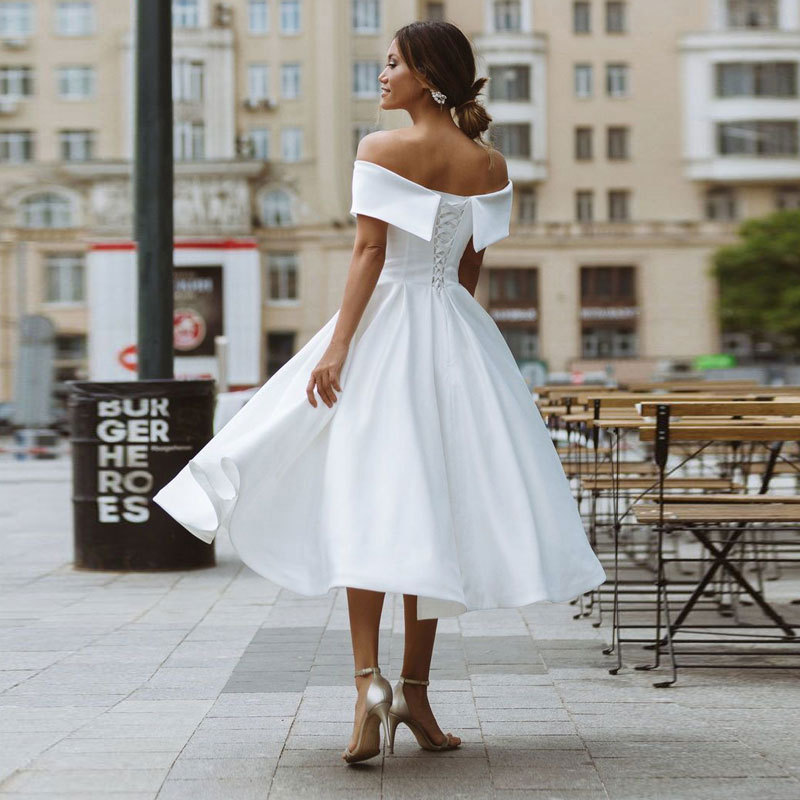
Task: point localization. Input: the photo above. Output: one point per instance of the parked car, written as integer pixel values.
(6, 425)
(60, 420)
(59, 416)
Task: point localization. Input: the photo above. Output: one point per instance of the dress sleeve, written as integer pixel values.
(491, 217)
(379, 192)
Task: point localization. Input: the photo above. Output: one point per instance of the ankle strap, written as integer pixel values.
(412, 680)
(367, 670)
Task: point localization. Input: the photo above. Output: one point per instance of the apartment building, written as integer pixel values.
(637, 133)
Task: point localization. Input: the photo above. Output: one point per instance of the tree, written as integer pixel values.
(759, 281)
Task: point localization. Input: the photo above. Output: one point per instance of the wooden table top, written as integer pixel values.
(718, 512)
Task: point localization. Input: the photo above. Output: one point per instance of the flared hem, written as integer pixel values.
(432, 603)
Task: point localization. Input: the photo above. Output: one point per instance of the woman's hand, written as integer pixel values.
(325, 376)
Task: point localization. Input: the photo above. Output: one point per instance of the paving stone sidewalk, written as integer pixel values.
(216, 684)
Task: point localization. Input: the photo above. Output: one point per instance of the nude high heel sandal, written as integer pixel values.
(398, 712)
(378, 701)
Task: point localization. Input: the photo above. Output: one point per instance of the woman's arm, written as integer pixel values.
(369, 253)
(469, 268)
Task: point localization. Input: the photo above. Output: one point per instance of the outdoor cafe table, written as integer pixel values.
(772, 429)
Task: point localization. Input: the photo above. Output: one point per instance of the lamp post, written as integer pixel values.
(129, 438)
(153, 187)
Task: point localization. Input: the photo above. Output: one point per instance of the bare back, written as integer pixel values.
(453, 164)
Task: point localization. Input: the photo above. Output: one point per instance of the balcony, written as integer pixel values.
(706, 108)
(8, 105)
(642, 232)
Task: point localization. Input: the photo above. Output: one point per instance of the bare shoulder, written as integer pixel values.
(498, 170)
(385, 148)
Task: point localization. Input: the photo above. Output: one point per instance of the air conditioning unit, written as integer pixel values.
(269, 104)
(244, 146)
(8, 105)
(223, 15)
(16, 43)
(251, 103)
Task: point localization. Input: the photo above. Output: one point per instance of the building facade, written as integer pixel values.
(638, 135)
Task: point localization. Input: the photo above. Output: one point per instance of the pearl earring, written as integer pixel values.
(438, 96)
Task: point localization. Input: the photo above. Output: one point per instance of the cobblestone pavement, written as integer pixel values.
(217, 684)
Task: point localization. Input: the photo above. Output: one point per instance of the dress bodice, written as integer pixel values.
(428, 230)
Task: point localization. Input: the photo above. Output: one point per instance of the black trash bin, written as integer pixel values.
(129, 438)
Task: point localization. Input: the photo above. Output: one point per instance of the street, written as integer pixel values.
(217, 684)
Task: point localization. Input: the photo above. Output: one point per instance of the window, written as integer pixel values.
(526, 205)
(290, 16)
(75, 19)
(757, 79)
(787, 197)
(187, 81)
(258, 16)
(46, 210)
(366, 16)
(513, 139)
(185, 14)
(64, 278)
(752, 13)
(258, 82)
(608, 286)
(276, 209)
(16, 147)
(75, 83)
(365, 78)
(259, 143)
(290, 81)
(583, 80)
(615, 16)
(510, 82)
(617, 143)
(608, 312)
(70, 347)
(721, 203)
(513, 304)
(584, 205)
(16, 82)
(619, 205)
(16, 19)
(583, 144)
(282, 277)
(189, 140)
(581, 17)
(523, 342)
(617, 80)
(758, 138)
(507, 15)
(291, 143)
(280, 347)
(434, 12)
(76, 145)
(513, 286)
(610, 342)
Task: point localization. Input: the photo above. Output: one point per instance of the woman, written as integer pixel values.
(431, 472)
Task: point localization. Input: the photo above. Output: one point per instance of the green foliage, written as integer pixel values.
(759, 280)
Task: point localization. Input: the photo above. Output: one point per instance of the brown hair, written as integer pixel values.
(441, 56)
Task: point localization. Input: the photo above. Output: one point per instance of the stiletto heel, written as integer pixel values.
(394, 721)
(382, 710)
(378, 702)
(399, 712)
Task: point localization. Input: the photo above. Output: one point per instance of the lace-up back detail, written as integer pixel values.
(445, 227)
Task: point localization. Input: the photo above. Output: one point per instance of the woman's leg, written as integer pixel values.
(364, 607)
(419, 638)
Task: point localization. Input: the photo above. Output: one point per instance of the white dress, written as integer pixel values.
(433, 474)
